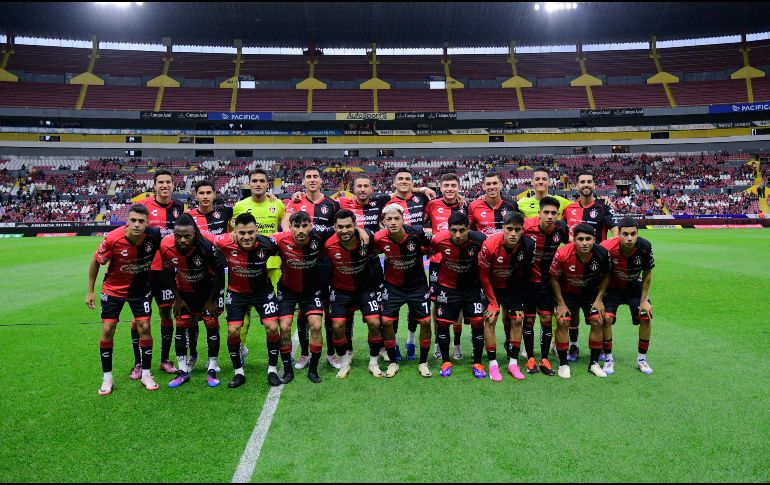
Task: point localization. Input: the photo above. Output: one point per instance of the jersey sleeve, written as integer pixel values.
(485, 269)
(103, 253)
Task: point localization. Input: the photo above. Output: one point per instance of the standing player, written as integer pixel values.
(632, 264)
(580, 272)
(130, 251)
(548, 233)
(505, 267)
(200, 277)
(268, 214)
(248, 285)
(541, 181)
(601, 217)
(457, 288)
(405, 282)
(163, 211)
(353, 288)
(321, 210)
(437, 214)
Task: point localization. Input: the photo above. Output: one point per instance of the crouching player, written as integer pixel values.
(249, 285)
(505, 268)
(580, 273)
(129, 251)
(632, 264)
(200, 275)
(457, 288)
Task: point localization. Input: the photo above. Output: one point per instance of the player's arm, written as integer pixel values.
(363, 235)
(644, 304)
(285, 225)
(93, 272)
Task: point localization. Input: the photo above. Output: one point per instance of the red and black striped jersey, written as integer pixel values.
(195, 269)
(247, 270)
(546, 245)
(598, 215)
(367, 215)
(162, 216)
(576, 277)
(352, 270)
(627, 270)
(437, 214)
(414, 208)
(503, 268)
(459, 265)
(128, 273)
(321, 213)
(215, 222)
(403, 260)
(488, 219)
(299, 263)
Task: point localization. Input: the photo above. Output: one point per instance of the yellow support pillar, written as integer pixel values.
(164, 80)
(311, 83)
(747, 72)
(450, 83)
(585, 80)
(375, 83)
(516, 82)
(88, 78)
(662, 77)
(232, 83)
(6, 76)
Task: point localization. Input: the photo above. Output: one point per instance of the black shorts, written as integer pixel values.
(513, 299)
(449, 303)
(163, 295)
(196, 303)
(238, 305)
(585, 303)
(433, 268)
(309, 304)
(112, 306)
(539, 299)
(614, 298)
(342, 303)
(417, 299)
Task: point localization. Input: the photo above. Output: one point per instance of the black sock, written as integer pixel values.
(546, 335)
(145, 346)
(314, 358)
(234, 349)
(135, 346)
(595, 356)
(329, 336)
(458, 335)
(180, 341)
(302, 332)
(374, 347)
(513, 350)
(272, 351)
(286, 359)
(443, 343)
(166, 336)
(105, 351)
(340, 346)
(193, 339)
(573, 334)
(477, 338)
(562, 356)
(529, 341)
(212, 340)
(491, 354)
(349, 332)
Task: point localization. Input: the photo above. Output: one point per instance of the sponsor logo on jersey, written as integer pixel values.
(572, 268)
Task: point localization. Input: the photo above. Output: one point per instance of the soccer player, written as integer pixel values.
(200, 277)
(437, 214)
(548, 233)
(355, 286)
(505, 267)
(129, 251)
(321, 210)
(163, 210)
(300, 251)
(457, 288)
(601, 217)
(541, 181)
(248, 285)
(580, 272)
(268, 213)
(405, 282)
(632, 264)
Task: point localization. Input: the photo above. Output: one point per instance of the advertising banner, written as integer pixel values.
(172, 115)
(433, 115)
(738, 108)
(239, 116)
(593, 113)
(363, 116)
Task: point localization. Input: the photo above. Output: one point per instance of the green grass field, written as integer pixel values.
(704, 415)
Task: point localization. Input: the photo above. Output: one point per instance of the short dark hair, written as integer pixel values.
(585, 229)
(513, 218)
(584, 172)
(258, 171)
(548, 200)
(203, 183)
(160, 172)
(245, 218)
(404, 170)
(627, 222)
(361, 175)
(299, 217)
(184, 220)
(541, 169)
(448, 177)
(140, 209)
(493, 174)
(310, 169)
(343, 214)
(458, 219)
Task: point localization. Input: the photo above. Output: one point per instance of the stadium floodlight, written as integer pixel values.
(554, 6)
(537, 6)
(120, 4)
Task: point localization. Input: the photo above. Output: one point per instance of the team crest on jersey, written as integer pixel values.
(594, 266)
(594, 213)
(442, 298)
(148, 247)
(362, 251)
(521, 257)
(372, 204)
(261, 254)
(638, 260)
(503, 212)
(417, 199)
(217, 215)
(461, 211)
(471, 252)
(556, 238)
(411, 246)
(313, 245)
(197, 261)
(271, 209)
(176, 213)
(324, 210)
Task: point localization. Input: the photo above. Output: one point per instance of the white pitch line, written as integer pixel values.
(254, 447)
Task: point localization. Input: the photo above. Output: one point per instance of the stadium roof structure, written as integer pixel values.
(390, 24)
